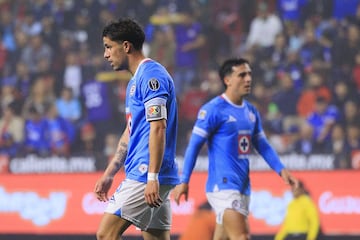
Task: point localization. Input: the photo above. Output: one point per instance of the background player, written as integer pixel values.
(231, 126)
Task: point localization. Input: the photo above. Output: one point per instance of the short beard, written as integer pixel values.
(123, 66)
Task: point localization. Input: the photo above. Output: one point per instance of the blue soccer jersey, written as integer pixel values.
(150, 95)
(230, 131)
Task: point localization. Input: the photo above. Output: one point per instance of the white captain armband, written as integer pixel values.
(156, 109)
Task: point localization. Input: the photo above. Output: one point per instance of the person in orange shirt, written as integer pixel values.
(316, 88)
(202, 224)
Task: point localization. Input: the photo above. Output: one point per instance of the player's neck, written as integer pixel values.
(134, 61)
(234, 99)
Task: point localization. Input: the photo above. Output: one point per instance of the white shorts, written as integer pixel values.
(128, 202)
(228, 199)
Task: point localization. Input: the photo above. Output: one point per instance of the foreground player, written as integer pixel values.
(146, 147)
(230, 124)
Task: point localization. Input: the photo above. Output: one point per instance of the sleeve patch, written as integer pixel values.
(154, 84)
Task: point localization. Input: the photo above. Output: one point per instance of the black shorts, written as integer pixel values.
(300, 236)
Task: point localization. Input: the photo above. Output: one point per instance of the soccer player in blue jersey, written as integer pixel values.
(146, 148)
(231, 126)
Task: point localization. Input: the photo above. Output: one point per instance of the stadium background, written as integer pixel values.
(305, 57)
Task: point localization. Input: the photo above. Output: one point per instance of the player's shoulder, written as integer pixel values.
(214, 103)
(153, 70)
(249, 105)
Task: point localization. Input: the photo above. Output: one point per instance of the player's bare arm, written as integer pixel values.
(103, 185)
(181, 189)
(157, 141)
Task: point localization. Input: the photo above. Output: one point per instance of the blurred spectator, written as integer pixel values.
(305, 144)
(50, 32)
(351, 114)
(98, 109)
(344, 9)
(345, 49)
(286, 96)
(227, 20)
(7, 96)
(291, 11)
(291, 137)
(189, 40)
(356, 72)
(295, 68)
(264, 24)
(315, 87)
(73, 73)
(353, 137)
(21, 42)
(341, 94)
(40, 98)
(11, 131)
(340, 148)
(30, 25)
(24, 81)
(294, 35)
(277, 53)
(68, 106)
(36, 139)
(211, 84)
(88, 145)
(322, 119)
(7, 26)
(318, 8)
(311, 51)
(36, 51)
(3, 54)
(162, 47)
(58, 132)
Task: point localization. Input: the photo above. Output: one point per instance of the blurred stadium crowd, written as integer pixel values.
(59, 97)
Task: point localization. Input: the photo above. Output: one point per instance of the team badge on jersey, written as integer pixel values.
(132, 89)
(154, 84)
(244, 144)
(252, 116)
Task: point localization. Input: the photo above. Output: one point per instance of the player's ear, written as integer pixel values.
(126, 46)
(227, 80)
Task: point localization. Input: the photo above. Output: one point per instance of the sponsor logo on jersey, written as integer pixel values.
(231, 119)
(154, 84)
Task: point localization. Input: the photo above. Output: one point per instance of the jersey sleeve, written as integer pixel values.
(263, 147)
(155, 92)
(204, 126)
(154, 84)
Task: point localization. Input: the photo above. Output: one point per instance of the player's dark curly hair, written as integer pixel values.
(125, 30)
(227, 67)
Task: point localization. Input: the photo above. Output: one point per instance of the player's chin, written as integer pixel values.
(247, 92)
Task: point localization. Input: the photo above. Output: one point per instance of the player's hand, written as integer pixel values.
(181, 189)
(289, 179)
(102, 187)
(152, 195)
